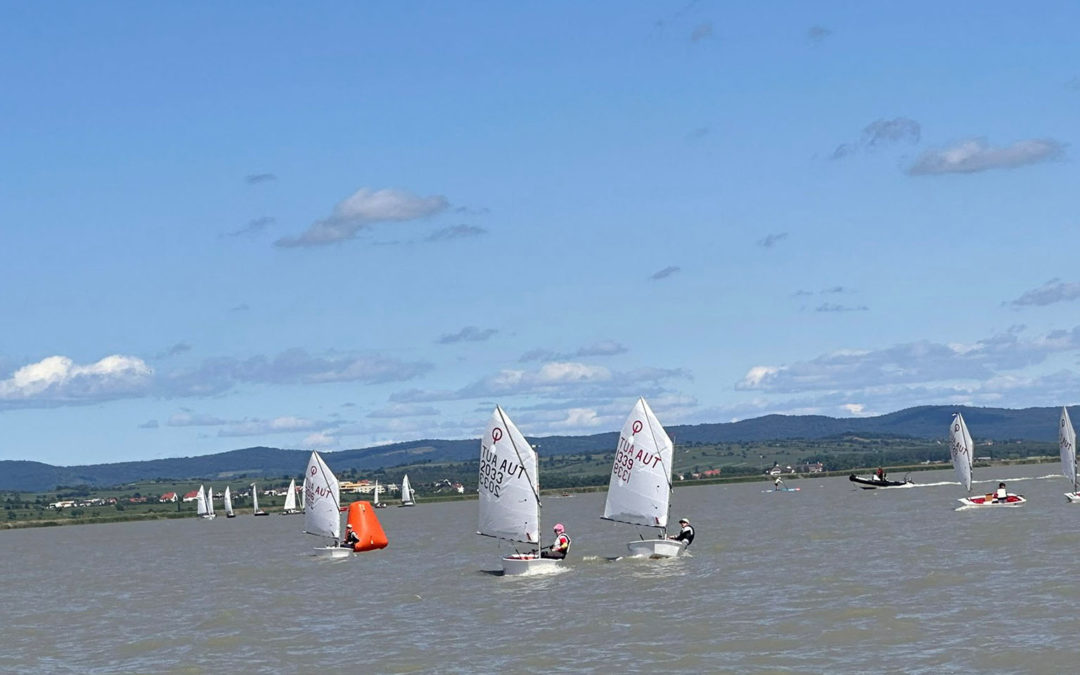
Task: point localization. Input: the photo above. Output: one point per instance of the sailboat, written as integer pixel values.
(210, 503)
(639, 491)
(407, 493)
(510, 495)
(303, 489)
(1067, 442)
(376, 503)
(290, 499)
(321, 503)
(201, 507)
(256, 511)
(961, 447)
(228, 503)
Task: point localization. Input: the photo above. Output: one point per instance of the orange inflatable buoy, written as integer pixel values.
(367, 527)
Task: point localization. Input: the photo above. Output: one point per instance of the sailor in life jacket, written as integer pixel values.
(686, 533)
(561, 546)
(1001, 494)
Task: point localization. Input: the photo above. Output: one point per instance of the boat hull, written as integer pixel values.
(1010, 501)
(874, 484)
(527, 564)
(1072, 497)
(332, 552)
(656, 548)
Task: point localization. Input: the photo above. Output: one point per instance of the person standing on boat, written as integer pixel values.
(880, 475)
(1001, 495)
(350, 537)
(687, 532)
(778, 484)
(561, 545)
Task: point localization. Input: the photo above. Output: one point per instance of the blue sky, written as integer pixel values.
(334, 225)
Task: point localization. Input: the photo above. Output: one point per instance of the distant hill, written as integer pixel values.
(999, 424)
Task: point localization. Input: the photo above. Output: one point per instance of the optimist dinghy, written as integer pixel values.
(1067, 443)
(321, 507)
(872, 482)
(961, 448)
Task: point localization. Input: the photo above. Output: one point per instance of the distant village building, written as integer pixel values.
(167, 497)
(191, 496)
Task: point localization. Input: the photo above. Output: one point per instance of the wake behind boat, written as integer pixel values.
(873, 482)
(961, 448)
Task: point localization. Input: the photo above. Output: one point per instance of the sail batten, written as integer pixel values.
(509, 487)
(639, 490)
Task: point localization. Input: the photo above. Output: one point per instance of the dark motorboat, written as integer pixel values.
(873, 482)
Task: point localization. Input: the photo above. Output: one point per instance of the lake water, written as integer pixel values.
(828, 579)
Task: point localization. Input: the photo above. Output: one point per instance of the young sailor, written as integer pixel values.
(1001, 495)
(686, 533)
(778, 484)
(561, 546)
(350, 537)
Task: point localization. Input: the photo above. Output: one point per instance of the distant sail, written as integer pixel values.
(961, 448)
(509, 488)
(639, 491)
(290, 497)
(321, 503)
(406, 491)
(201, 502)
(228, 502)
(210, 501)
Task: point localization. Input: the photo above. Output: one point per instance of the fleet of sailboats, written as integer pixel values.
(639, 490)
(204, 508)
(510, 495)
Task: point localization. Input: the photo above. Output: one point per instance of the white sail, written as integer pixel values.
(290, 497)
(228, 502)
(961, 448)
(254, 499)
(639, 491)
(303, 489)
(210, 501)
(406, 492)
(201, 502)
(321, 501)
(509, 487)
(1067, 442)
(376, 493)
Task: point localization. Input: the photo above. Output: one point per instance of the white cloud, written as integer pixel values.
(974, 155)
(58, 380)
(362, 209)
(319, 439)
(1051, 292)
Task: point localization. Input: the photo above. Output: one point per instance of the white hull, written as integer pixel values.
(520, 565)
(1014, 501)
(209, 516)
(1072, 497)
(656, 548)
(332, 552)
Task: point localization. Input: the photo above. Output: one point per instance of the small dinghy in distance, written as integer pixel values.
(639, 491)
(961, 447)
(255, 510)
(872, 482)
(510, 496)
(321, 514)
(1067, 443)
(290, 499)
(228, 503)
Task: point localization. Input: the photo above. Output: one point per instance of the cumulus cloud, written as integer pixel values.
(364, 208)
(456, 232)
(665, 273)
(403, 410)
(190, 419)
(256, 178)
(319, 439)
(276, 425)
(175, 350)
(771, 240)
(467, 334)
(1051, 292)
(58, 380)
(974, 155)
(601, 348)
